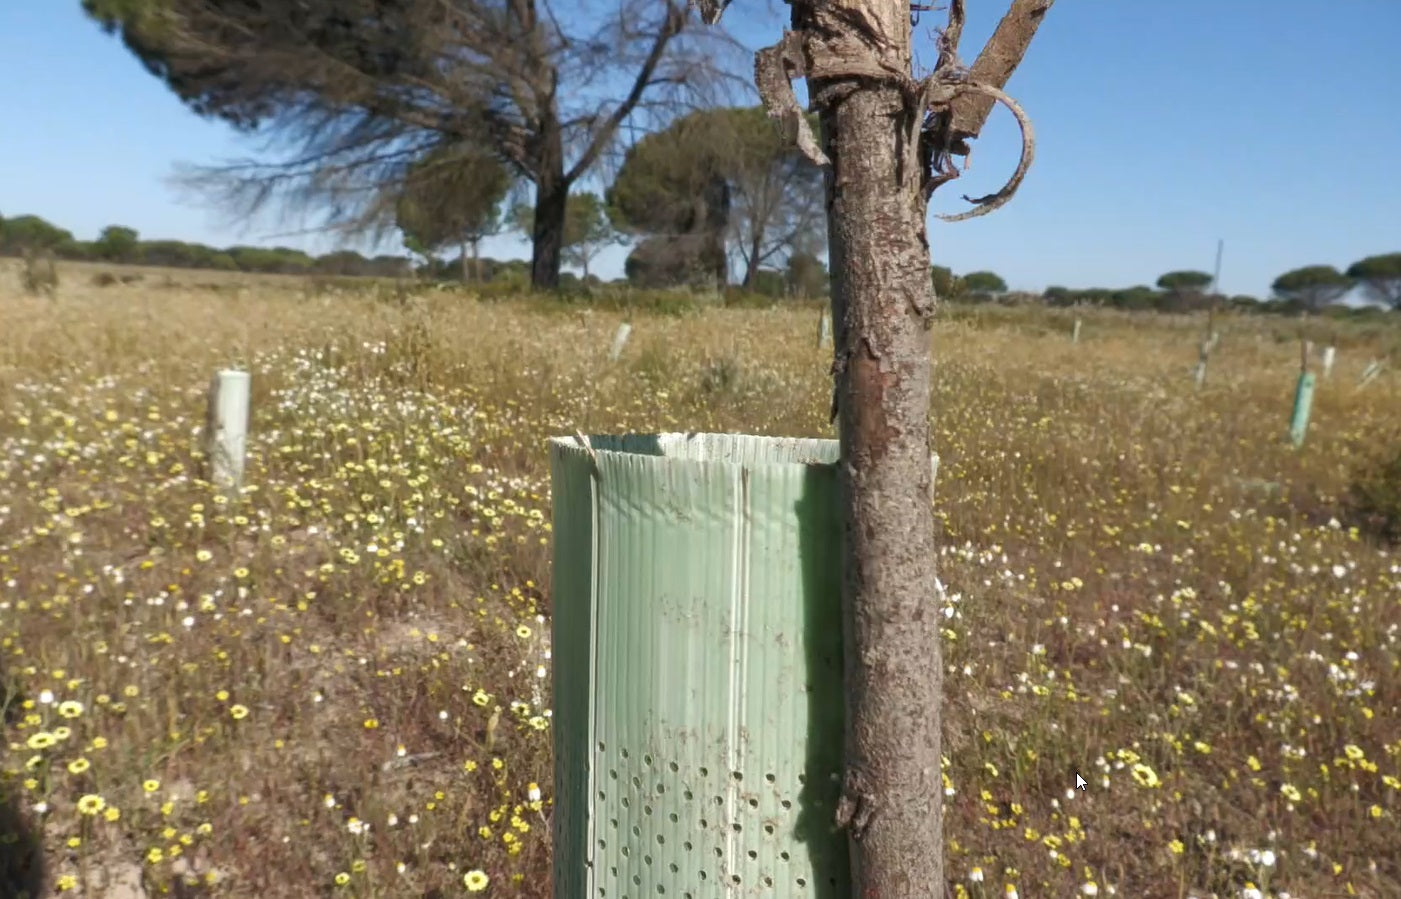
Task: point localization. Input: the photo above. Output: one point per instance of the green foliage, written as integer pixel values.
(1375, 494)
(672, 261)
(116, 244)
(769, 283)
(30, 232)
(278, 260)
(451, 197)
(1313, 286)
(1380, 277)
(726, 172)
(806, 276)
(1184, 281)
(984, 282)
(947, 285)
(39, 275)
(1138, 297)
(1183, 291)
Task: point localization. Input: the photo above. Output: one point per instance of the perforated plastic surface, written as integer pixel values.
(697, 650)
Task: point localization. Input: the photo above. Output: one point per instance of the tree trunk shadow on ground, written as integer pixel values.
(22, 869)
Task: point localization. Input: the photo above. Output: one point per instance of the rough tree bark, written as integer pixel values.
(887, 143)
(551, 194)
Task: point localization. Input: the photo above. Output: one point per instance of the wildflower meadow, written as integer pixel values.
(336, 681)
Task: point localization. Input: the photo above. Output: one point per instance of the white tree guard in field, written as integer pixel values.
(227, 427)
(620, 340)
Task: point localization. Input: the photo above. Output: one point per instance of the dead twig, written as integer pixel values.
(998, 198)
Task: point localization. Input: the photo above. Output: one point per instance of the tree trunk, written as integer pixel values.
(882, 298)
(551, 194)
(463, 261)
(751, 265)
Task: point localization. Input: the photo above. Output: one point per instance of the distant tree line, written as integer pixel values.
(1309, 289)
(680, 239)
(122, 246)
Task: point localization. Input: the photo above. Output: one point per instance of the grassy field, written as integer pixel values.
(338, 682)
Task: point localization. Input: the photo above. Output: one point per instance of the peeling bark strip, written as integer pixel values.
(887, 143)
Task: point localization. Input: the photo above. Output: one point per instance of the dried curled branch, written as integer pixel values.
(931, 104)
(985, 204)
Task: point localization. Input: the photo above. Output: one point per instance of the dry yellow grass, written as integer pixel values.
(336, 683)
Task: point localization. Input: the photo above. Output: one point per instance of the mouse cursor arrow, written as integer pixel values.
(1080, 782)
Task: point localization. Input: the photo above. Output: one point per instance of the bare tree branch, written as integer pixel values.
(999, 197)
(995, 64)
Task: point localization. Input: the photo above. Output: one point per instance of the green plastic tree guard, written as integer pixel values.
(697, 650)
(1303, 404)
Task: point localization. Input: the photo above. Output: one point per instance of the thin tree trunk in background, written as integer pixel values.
(881, 302)
(751, 264)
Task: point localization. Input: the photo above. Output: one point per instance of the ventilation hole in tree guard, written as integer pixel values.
(647, 810)
(647, 760)
(661, 839)
(687, 845)
(768, 829)
(771, 778)
(623, 753)
(704, 771)
(636, 782)
(636, 831)
(674, 767)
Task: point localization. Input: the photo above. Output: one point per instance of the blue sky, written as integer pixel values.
(1272, 124)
